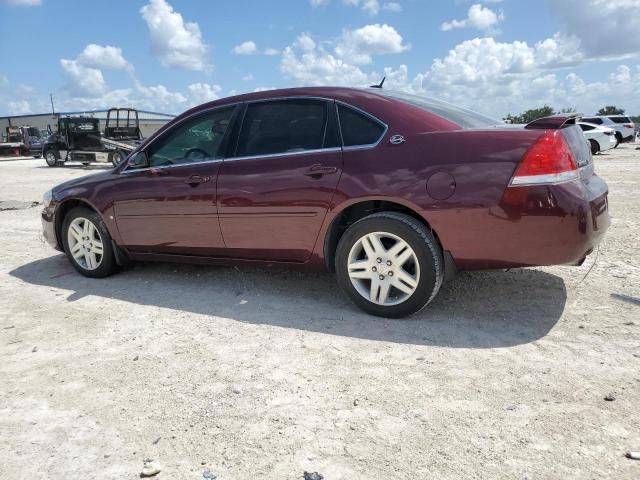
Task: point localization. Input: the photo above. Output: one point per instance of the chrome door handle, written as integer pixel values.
(316, 171)
(195, 180)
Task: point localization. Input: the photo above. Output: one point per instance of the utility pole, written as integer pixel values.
(53, 111)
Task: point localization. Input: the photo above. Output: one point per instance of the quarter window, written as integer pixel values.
(196, 140)
(358, 128)
(283, 126)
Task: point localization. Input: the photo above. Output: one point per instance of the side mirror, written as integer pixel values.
(138, 160)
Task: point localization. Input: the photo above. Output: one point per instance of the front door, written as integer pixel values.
(169, 206)
(274, 193)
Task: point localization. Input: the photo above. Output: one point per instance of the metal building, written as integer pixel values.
(149, 121)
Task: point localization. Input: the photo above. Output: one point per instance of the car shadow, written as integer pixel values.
(474, 310)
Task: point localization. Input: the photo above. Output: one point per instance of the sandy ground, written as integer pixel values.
(254, 373)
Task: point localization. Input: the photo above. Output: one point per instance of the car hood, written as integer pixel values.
(78, 186)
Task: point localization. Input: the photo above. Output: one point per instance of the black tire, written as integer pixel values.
(107, 264)
(51, 157)
(422, 242)
(618, 139)
(116, 157)
(595, 146)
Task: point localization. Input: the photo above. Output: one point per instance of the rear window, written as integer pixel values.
(460, 116)
(620, 119)
(578, 145)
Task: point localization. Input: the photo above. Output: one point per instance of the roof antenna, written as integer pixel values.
(379, 85)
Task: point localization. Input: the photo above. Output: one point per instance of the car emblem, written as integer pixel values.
(396, 139)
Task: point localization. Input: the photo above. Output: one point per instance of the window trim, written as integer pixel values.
(367, 114)
(241, 109)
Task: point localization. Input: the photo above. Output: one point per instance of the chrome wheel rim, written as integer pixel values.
(117, 158)
(51, 158)
(383, 268)
(85, 243)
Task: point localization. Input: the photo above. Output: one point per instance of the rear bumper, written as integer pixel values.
(533, 226)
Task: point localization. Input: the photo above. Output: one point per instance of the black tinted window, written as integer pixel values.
(596, 120)
(358, 128)
(585, 127)
(283, 126)
(196, 140)
(620, 119)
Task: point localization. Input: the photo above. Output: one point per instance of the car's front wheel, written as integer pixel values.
(116, 157)
(595, 146)
(389, 264)
(51, 157)
(87, 243)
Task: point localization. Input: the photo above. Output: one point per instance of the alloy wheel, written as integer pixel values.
(85, 243)
(383, 268)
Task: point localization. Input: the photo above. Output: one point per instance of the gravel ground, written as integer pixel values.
(257, 373)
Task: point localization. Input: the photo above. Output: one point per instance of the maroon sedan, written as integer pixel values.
(391, 191)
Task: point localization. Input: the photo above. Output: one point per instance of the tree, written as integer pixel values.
(610, 110)
(530, 115)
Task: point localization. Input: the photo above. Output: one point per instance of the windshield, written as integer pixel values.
(461, 116)
(33, 132)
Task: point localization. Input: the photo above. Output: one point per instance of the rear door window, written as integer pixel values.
(620, 119)
(358, 129)
(283, 126)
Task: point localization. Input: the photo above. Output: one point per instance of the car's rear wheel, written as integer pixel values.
(51, 157)
(389, 264)
(87, 243)
(595, 146)
(618, 139)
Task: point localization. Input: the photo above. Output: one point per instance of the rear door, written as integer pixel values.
(170, 207)
(275, 190)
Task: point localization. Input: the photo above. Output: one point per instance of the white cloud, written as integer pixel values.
(605, 29)
(23, 3)
(19, 107)
(104, 57)
(393, 7)
(247, 78)
(271, 52)
(372, 7)
(175, 42)
(81, 80)
(358, 46)
(478, 17)
(203, 92)
(4, 80)
(245, 48)
(306, 63)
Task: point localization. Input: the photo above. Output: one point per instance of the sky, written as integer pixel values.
(493, 56)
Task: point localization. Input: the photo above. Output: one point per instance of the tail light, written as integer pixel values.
(628, 125)
(548, 161)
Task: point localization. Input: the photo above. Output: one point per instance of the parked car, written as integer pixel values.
(622, 125)
(393, 192)
(21, 140)
(600, 138)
